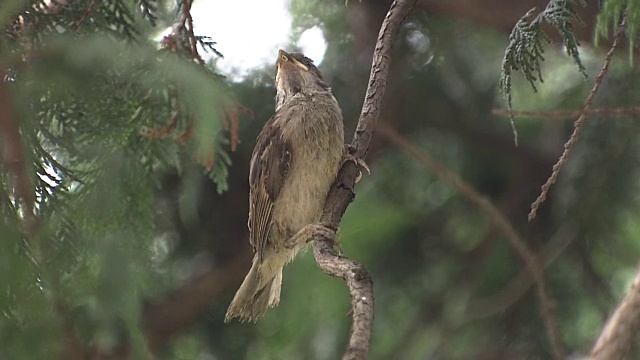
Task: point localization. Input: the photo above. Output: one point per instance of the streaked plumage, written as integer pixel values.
(295, 160)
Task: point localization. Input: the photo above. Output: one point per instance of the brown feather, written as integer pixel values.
(270, 164)
(295, 161)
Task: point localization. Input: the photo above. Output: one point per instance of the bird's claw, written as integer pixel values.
(308, 234)
(321, 231)
(359, 162)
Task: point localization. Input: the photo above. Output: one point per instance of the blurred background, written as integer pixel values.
(136, 135)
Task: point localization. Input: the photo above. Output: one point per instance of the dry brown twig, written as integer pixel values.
(13, 158)
(182, 39)
(186, 22)
(341, 194)
(552, 249)
(85, 16)
(565, 114)
(499, 221)
(577, 125)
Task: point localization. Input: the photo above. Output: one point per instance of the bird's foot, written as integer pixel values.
(321, 231)
(309, 233)
(348, 156)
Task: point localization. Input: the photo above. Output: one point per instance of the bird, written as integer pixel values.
(294, 163)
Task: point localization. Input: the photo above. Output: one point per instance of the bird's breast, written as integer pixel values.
(317, 137)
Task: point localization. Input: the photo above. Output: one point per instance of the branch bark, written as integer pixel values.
(577, 125)
(552, 249)
(355, 275)
(565, 114)
(619, 335)
(13, 158)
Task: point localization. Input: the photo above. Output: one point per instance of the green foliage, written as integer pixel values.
(330, 16)
(525, 51)
(103, 113)
(117, 130)
(610, 16)
(149, 10)
(10, 8)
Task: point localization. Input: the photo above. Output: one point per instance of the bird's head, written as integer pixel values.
(295, 74)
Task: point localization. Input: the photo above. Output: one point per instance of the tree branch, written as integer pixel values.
(85, 16)
(577, 125)
(619, 335)
(341, 194)
(551, 250)
(186, 22)
(13, 158)
(500, 222)
(564, 114)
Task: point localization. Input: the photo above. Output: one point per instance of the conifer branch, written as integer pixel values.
(525, 52)
(577, 125)
(566, 114)
(185, 23)
(85, 15)
(12, 156)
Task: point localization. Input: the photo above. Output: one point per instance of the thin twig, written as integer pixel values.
(577, 126)
(12, 156)
(187, 23)
(558, 243)
(565, 114)
(619, 335)
(85, 16)
(341, 194)
(499, 221)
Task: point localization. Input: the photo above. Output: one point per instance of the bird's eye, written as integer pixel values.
(283, 57)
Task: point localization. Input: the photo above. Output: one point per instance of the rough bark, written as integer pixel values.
(619, 335)
(354, 274)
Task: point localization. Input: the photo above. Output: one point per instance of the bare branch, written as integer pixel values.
(360, 287)
(551, 250)
(577, 125)
(186, 22)
(85, 16)
(565, 114)
(499, 221)
(12, 155)
(619, 335)
(354, 274)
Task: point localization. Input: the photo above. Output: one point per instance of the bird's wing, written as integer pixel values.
(270, 164)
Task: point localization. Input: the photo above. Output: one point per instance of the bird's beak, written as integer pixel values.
(286, 63)
(283, 56)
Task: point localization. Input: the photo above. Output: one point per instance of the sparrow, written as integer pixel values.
(294, 163)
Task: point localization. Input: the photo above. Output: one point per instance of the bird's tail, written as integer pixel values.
(259, 291)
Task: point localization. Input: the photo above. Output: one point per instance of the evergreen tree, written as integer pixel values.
(123, 231)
